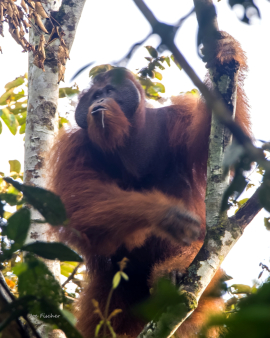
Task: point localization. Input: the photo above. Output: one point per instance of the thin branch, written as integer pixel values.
(247, 212)
(147, 13)
(70, 277)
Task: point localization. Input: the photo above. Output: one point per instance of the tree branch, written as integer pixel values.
(247, 211)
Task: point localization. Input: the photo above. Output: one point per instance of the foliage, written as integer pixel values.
(13, 104)
(39, 293)
(246, 316)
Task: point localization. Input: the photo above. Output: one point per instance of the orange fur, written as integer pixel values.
(136, 187)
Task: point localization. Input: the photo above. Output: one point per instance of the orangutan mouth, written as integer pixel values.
(98, 109)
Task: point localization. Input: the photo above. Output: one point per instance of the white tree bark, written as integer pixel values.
(42, 116)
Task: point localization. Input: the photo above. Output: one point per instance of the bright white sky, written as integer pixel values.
(107, 30)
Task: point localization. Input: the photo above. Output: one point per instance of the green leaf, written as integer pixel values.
(5, 97)
(15, 83)
(267, 223)
(11, 199)
(167, 59)
(99, 69)
(116, 279)
(243, 201)
(158, 75)
(22, 129)
(159, 65)
(194, 92)
(37, 280)
(20, 107)
(67, 92)
(69, 316)
(240, 288)
(66, 271)
(18, 226)
(9, 120)
(16, 97)
(124, 275)
(159, 87)
(52, 251)
(62, 120)
(47, 203)
(152, 51)
(1, 128)
(98, 327)
(176, 62)
(21, 118)
(15, 165)
(19, 268)
(165, 296)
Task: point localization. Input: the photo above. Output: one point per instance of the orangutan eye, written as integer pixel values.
(110, 90)
(96, 95)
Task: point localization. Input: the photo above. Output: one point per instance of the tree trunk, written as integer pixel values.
(42, 114)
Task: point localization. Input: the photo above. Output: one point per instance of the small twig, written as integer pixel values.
(71, 298)
(73, 273)
(56, 21)
(106, 312)
(183, 19)
(132, 50)
(34, 26)
(265, 267)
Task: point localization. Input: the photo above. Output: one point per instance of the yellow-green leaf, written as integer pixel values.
(158, 75)
(62, 120)
(159, 87)
(98, 327)
(124, 275)
(15, 83)
(22, 129)
(116, 279)
(99, 69)
(9, 120)
(176, 62)
(241, 288)
(5, 96)
(20, 107)
(67, 91)
(66, 271)
(114, 313)
(15, 165)
(1, 127)
(16, 97)
(21, 118)
(243, 201)
(7, 214)
(152, 51)
(250, 185)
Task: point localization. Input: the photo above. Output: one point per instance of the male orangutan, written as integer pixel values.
(133, 181)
